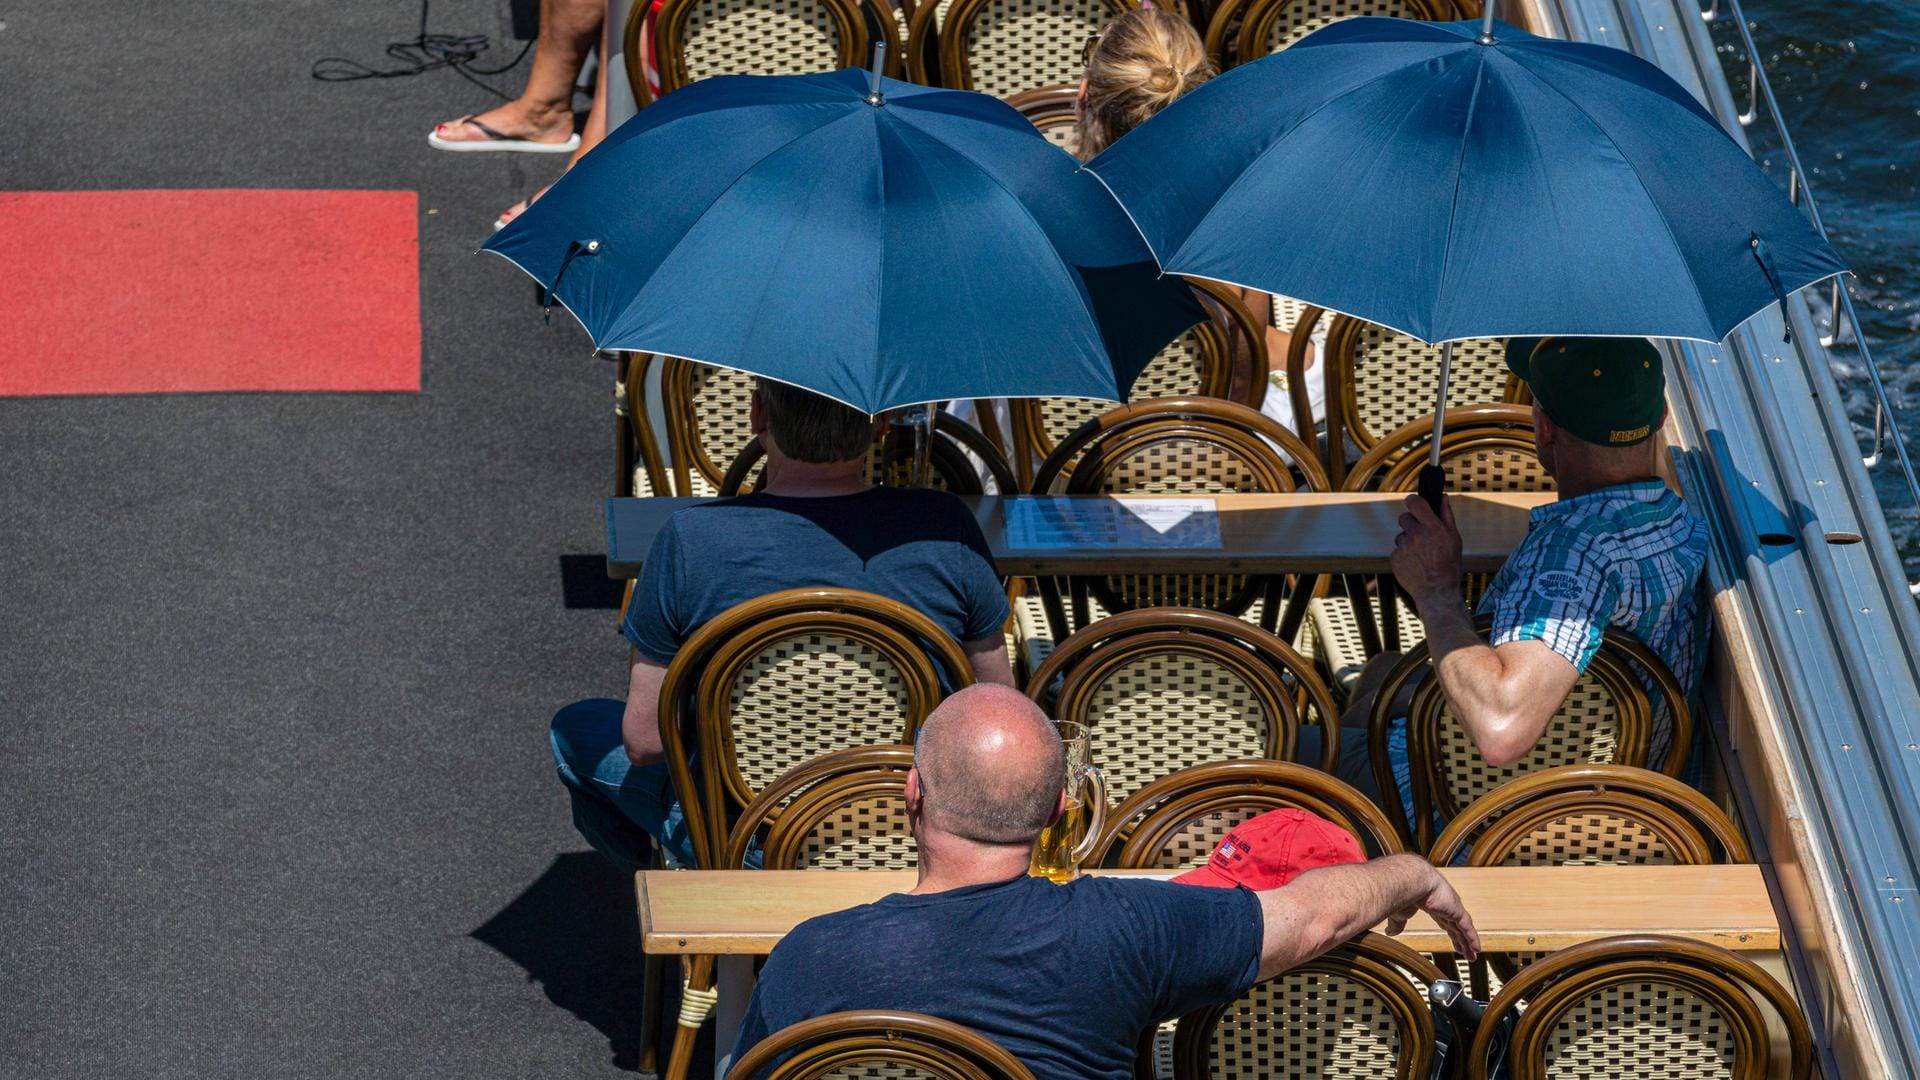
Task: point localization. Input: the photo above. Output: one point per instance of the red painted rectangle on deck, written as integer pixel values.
(140, 292)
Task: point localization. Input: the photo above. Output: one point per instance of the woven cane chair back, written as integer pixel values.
(855, 821)
(1645, 1005)
(956, 456)
(1005, 47)
(875, 1044)
(1243, 30)
(1052, 110)
(1382, 378)
(709, 420)
(776, 681)
(1358, 1011)
(1485, 448)
(1165, 688)
(1607, 719)
(776, 798)
(1175, 822)
(1592, 815)
(1198, 363)
(702, 38)
(1179, 446)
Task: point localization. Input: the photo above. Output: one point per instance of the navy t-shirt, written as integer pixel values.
(1066, 977)
(920, 547)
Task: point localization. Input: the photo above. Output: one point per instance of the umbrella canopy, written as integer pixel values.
(1420, 176)
(916, 245)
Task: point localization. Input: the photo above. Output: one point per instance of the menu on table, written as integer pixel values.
(1047, 522)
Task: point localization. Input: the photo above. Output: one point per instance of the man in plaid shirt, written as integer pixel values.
(1617, 549)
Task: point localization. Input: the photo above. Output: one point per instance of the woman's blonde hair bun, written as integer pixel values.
(1144, 61)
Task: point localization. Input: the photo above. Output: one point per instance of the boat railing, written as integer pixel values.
(1840, 309)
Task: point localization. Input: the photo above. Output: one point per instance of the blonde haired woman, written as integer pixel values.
(1141, 63)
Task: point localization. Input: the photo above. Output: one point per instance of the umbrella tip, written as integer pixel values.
(1486, 25)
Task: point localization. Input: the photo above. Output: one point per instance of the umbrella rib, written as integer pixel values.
(1659, 211)
(1459, 182)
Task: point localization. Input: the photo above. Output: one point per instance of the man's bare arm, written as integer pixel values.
(988, 658)
(640, 724)
(1504, 696)
(1324, 907)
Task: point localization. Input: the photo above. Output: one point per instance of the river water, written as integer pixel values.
(1847, 73)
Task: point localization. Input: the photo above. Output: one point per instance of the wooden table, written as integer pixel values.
(737, 915)
(1300, 532)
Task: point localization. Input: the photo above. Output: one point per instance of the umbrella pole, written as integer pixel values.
(1486, 23)
(1433, 478)
(922, 420)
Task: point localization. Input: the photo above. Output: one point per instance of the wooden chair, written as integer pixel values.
(1052, 109)
(1175, 822)
(1359, 1010)
(697, 39)
(1607, 719)
(1584, 815)
(1378, 380)
(1591, 815)
(1645, 1005)
(1167, 688)
(776, 681)
(1004, 47)
(1484, 448)
(877, 1044)
(1224, 357)
(707, 423)
(1241, 30)
(956, 457)
(771, 807)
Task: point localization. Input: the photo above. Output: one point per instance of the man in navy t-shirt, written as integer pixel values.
(816, 522)
(1066, 977)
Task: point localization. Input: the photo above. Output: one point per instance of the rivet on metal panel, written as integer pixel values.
(1799, 611)
(1846, 746)
(1866, 611)
(1899, 899)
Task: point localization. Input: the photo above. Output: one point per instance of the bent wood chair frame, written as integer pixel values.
(1149, 824)
(1258, 675)
(877, 1043)
(1618, 721)
(851, 26)
(1241, 30)
(948, 49)
(1652, 973)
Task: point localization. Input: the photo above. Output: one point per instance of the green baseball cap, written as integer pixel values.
(1606, 391)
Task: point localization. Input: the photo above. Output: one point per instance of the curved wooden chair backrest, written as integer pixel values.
(773, 800)
(708, 412)
(879, 1044)
(1359, 1010)
(853, 821)
(1608, 815)
(955, 457)
(1644, 1005)
(1381, 379)
(1607, 719)
(1053, 110)
(1243, 30)
(1486, 447)
(778, 680)
(1179, 446)
(698, 39)
(1175, 822)
(1219, 358)
(1005, 47)
(1166, 688)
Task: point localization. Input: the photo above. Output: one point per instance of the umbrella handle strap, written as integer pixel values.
(1764, 257)
(574, 249)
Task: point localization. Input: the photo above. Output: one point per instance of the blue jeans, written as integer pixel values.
(621, 808)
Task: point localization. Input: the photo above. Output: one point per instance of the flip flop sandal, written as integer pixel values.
(497, 142)
(513, 211)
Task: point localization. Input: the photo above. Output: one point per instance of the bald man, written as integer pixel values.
(1066, 977)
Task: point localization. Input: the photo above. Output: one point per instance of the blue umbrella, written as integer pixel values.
(881, 243)
(1411, 175)
(1454, 180)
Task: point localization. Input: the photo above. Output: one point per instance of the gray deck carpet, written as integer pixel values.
(275, 798)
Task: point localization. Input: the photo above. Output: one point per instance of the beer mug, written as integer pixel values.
(1068, 841)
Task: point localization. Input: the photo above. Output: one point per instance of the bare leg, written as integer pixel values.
(544, 110)
(1367, 688)
(590, 136)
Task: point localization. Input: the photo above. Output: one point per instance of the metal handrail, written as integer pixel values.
(1800, 191)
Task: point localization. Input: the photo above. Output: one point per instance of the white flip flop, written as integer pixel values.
(495, 142)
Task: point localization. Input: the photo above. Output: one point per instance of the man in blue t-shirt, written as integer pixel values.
(815, 522)
(1066, 977)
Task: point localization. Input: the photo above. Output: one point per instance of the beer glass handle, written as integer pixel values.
(1098, 804)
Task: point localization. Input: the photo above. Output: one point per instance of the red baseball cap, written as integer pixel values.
(1270, 850)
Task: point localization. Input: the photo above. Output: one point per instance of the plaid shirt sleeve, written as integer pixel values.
(1557, 587)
